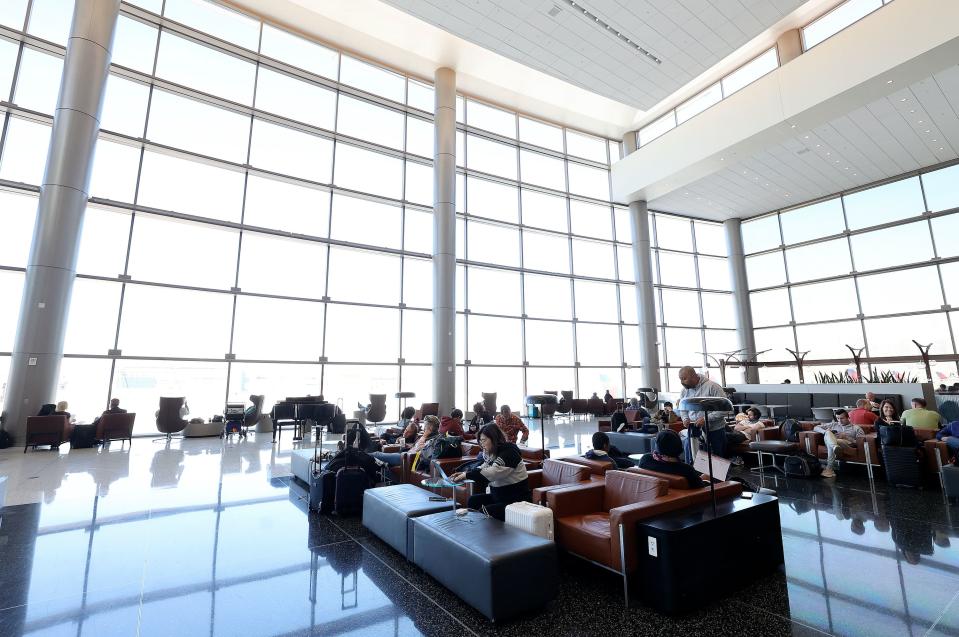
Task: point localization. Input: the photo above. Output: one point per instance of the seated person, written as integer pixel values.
(480, 417)
(354, 456)
(511, 425)
(608, 399)
(950, 435)
(113, 409)
(423, 446)
(502, 470)
(452, 425)
(47, 409)
(665, 459)
(393, 434)
(666, 415)
(840, 433)
(62, 407)
(919, 417)
(749, 426)
(602, 451)
(618, 420)
(862, 414)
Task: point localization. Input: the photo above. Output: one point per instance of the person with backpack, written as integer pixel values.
(452, 425)
(840, 434)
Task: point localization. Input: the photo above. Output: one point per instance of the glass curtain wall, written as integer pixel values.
(874, 268)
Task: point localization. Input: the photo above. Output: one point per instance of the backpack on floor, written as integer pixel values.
(802, 465)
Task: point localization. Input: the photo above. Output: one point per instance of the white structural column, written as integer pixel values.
(51, 267)
(444, 239)
(737, 275)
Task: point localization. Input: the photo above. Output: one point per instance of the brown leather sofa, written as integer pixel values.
(115, 427)
(864, 452)
(935, 453)
(47, 430)
(597, 521)
(597, 470)
(555, 474)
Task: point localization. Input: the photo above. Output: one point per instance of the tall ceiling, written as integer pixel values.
(553, 36)
(912, 128)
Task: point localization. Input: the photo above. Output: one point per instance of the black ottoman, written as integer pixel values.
(498, 570)
(388, 510)
(772, 448)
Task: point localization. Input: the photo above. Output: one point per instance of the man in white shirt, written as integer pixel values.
(840, 433)
(694, 386)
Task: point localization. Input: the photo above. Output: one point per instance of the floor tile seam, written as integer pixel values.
(941, 615)
(320, 546)
(402, 577)
(788, 619)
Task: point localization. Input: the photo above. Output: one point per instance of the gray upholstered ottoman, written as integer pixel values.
(498, 570)
(301, 464)
(387, 512)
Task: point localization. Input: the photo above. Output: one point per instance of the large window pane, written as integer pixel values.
(364, 120)
(169, 322)
(816, 261)
(588, 181)
(894, 336)
(657, 128)
(92, 320)
(548, 296)
(766, 270)
(541, 379)
(750, 72)
(627, 304)
(419, 95)
(595, 259)
(368, 171)
(495, 340)
(124, 106)
(364, 276)
(893, 246)
(680, 308)
(718, 310)
(586, 146)
(418, 282)
(492, 119)
(115, 169)
(598, 380)
(372, 79)
(295, 329)
(192, 64)
(309, 56)
(86, 382)
(761, 234)
(362, 334)
(418, 231)
(199, 127)
(305, 210)
(18, 212)
(24, 151)
(624, 261)
(419, 183)
(50, 20)
(13, 13)
(103, 242)
(699, 103)
(215, 19)
(812, 222)
(540, 134)
(829, 340)
(710, 238)
(544, 211)
(597, 344)
(291, 97)
(200, 189)
(950, 281)
(490, 157)
(354, 384)
(8, 63)
(11, 287)
(273, 381)
(719, 342)
(134, 45)
(776, 340)
(366, 222)
(836, 20)
(904, 291)
(714, 274)
(595, 301)
(507, 382)
(492, 200)
(941, 188)
(623, 225)
(677, 269)
(206, 252)
(882, 204)
(417, 336)
(490, 243)
(943, 230)
(494, 291)
(674, 233)
(770, 307)
(290, 152)
(549, 343)
(542, 170)
(590, 220)
(39, 81)
(419, 136)
(684, 347)
(824, 301)
(277, 265)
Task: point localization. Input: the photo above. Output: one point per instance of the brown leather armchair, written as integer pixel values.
(47, 430)
(864, 452)
(555, 474)
(579, 407)
(429, 409)
(597, 470)
(597, 521)
(115, 427)
(376, 412)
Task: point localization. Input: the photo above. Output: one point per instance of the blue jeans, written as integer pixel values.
(392, 459)
(953, 443)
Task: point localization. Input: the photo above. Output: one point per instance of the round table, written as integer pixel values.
(440, 483)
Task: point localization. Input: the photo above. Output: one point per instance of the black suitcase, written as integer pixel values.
(322, 491)
(902, 466)
(83, 437)
(351, 482)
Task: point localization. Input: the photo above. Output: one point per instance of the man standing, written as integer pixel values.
(840, 433)
(511, 425)
(695, 386)
(919, 417)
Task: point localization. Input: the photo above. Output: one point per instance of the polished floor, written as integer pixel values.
(201, 537)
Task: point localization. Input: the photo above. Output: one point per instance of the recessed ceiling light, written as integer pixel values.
(854, 174)
(940, 148)
(827, 154)
(935, 140)
(806, 137)
(818, 145)
(920, 121)
(913, 111)
(846, 168)
(793, 126)
(927, 131)
(903, 99)
(888, 81)
(722, 159)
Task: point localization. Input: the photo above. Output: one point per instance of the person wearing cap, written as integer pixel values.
(666, 459)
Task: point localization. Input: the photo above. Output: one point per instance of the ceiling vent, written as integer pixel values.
(554, 11)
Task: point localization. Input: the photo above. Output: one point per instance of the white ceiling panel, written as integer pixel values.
(913, 128)
(689, 36)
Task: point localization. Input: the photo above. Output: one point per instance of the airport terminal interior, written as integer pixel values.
(247, 246)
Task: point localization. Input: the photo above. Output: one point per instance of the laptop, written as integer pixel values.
(445, 477)
(720, 465)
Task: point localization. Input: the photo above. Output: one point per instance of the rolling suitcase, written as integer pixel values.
(902, 466)
(351, 482)
(322, 491)
(531, 518)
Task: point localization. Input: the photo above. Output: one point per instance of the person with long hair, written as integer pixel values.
(888, 414)
(502, 470)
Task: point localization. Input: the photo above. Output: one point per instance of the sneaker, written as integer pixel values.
(828, 473)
